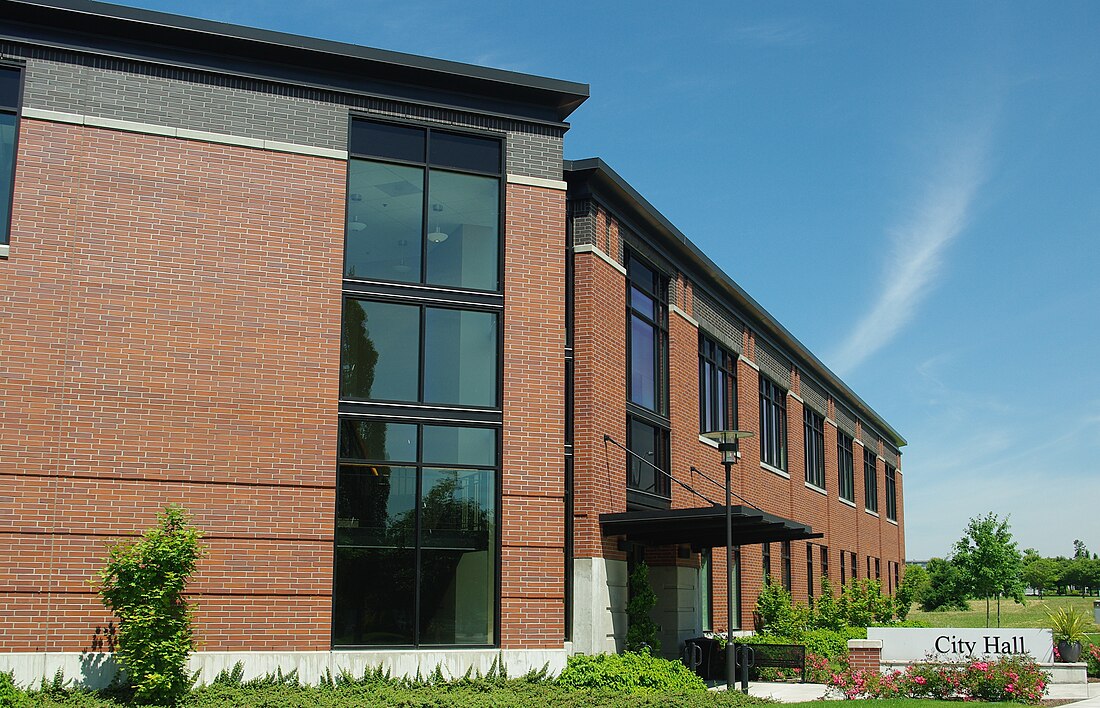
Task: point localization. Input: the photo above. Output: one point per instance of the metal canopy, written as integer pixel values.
(703, 527)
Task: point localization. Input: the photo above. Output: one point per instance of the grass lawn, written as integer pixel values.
(1033, 614)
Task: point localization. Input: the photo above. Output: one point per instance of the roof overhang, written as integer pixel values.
(144, 35)
(703, 527)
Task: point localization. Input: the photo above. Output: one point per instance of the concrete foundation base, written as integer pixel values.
(97, 670)
(599, 605)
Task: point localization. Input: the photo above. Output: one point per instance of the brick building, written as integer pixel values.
(427, 389)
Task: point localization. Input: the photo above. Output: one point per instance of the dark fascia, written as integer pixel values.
(592, 178)
(161, 38)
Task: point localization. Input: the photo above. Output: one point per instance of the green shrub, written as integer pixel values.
(778, 614)
(631, 672)
(826, 612)
(143, 584)
(641, 632)
(11, 696)
(863, 604)
(910, 590)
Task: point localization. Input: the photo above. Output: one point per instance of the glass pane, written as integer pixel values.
(376, 506)
(458, 557)
(373, 596)
(452, 445)
(463, 230)
(460, 357)
(641, 275)
(7, 157)
(400, 142)
(466, 152)
(9, 87)
(380, 351)
(385, 221)
(373, 440)
(643, 443)
(643, 365)
(643, 303)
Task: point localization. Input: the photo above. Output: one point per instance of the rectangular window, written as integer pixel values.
(878, 575)
(773, 424)
(11, 80)
(647, 481)
(785, 548)
(416, 520)
(717, 387)
(814, 428)
(897, 575)
(824, 563)
(870, 481)
(855, 576)
(891, 493)
(810, 573)
(413, 353)
(647, 343)
(868, 567)
(767, 564)
(846, 466)
(706, 594)
(424, 206)
(843, 571)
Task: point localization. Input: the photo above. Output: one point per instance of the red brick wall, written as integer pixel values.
(171, 334)
(533, 510)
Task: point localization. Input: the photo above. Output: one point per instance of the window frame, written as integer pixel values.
(813, 424)
(773, 424)
(427, 165)
(845, 455)
(766, 561)
(810, 573)
(637, 498)
(15, 109)
(785, 551)
(419, 465)
(717, 371)
(890, 479)
(870, 480)
(657, 290)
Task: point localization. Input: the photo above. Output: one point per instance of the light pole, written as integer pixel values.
(727, 445)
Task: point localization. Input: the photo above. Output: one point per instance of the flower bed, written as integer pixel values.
(1008, 678)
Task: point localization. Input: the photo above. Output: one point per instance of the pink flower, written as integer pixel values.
(920, 680)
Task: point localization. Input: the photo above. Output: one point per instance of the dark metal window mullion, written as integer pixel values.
(417, 533)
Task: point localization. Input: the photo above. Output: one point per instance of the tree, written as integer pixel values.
(1079, 550)
(990, 561)
(143, 584)
(910, 590)
(1040, 573)
(641, 631)
(946, 588)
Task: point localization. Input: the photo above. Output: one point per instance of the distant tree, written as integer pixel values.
(946, 588)
(990, 561)
(1079, 550)
(1040, 573)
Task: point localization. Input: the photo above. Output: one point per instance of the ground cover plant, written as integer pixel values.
(1011, 679)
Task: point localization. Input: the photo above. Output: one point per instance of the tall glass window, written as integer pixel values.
(416, 535)
(785, 547)
(766, 557)
(773, 424)
(424, 206)
(706, 596)
(846, 466)
(717, 387)
(870, 481)
(647, 481)
(814, 435)
(647, 317)
(890, 476)
(10, 81)
(416, 353)
(810, 573)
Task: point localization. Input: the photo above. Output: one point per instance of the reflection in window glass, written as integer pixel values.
(375, 538)
(385, 221)
(466, 152)
(459, 445)
(463, 230)
(458, 559)
(649, 445)
(643, 363)
(380, 351)
(377, 440)
(460, 357)
(7, 160)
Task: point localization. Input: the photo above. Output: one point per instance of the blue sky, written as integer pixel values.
(912, 188)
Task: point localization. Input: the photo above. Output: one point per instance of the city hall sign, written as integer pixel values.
(961, 644)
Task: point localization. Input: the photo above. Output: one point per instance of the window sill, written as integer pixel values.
(872, 513)
(774, 470)
(816, 488)
(842, 500)
(711, 443)
(3, 250)
(892, 521)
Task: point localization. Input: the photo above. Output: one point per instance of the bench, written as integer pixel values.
(704, 656)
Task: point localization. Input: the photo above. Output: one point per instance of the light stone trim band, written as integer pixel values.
(589, 248)
(686, 316)
(182, 133)
(751, 364)
(537, 182)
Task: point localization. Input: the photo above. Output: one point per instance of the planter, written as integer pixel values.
(1069, 652)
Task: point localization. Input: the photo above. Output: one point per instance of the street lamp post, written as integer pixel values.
(727, 445)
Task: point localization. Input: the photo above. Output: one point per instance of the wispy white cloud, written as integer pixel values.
(775, 33)
(941, 213)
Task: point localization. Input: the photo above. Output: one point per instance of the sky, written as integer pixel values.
(911, 188)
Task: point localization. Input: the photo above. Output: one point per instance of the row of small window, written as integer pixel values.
(11, 79)
(848, 567)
